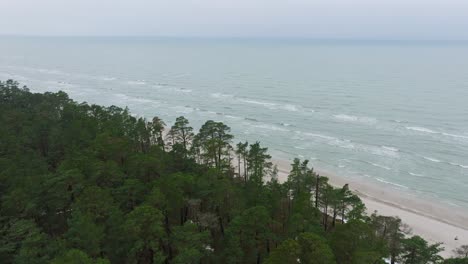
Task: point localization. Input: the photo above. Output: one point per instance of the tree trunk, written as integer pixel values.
(215, 159)
(245, 169)
(335, 212)
(317, 190)
(343, 207)
(239, 166)
(220, 221)
(325, 216)
(219, 158)
(185, 143)
(161, 141)
(221, 226)
(166, 223)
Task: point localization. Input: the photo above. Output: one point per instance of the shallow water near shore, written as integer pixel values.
(395, 113)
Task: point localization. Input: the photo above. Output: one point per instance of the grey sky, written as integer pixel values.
(400, 19)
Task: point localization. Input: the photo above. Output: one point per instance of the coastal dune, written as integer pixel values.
(432, 220)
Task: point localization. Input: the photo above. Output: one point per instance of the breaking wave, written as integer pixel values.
(137, 82)
(430, 131)
(105, 78)
(270, 127)
(355, 119)
(134, 99)
(432, 159)
(454, 135)
(379, 166)
(285, 124)
(273, 106)
(348, 144)
(392, 183)
(266, 104)
(422, 129)
(221, 95)
(390, 148)
(459, 165)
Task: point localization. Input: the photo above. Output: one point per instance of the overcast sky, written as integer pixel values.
(371, 19)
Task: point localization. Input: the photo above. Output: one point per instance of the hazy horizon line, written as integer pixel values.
(243, 37)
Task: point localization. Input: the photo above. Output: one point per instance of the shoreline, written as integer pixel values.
(431, 220)
(434, 221)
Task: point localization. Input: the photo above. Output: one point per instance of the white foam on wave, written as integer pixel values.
(348, 144)
(221, 95)
(455, 136)
(416, 174)
(272, 106)
(134, 99)
(270, 127)
(430, 131)
(183, 109)
(459, 165)
(356, 119)
(451, 163)
(379, 166)
(105, 78)
(290, 107)
(250, 101)
(342, 143)
(233, 117)
(390, 148)
(392, 183)
(379, 151)
(317, 135)
(137, 82)
(422, 129)
(432, 159)
(266, 104)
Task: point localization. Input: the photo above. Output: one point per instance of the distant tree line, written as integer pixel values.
(83, 183)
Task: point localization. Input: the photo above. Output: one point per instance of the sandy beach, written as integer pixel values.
(432, 220)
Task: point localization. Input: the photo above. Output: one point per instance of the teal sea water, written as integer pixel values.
(389, 112)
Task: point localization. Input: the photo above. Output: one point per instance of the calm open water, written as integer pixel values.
(392, 112)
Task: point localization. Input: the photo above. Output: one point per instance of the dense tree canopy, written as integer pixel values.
(83, 183)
